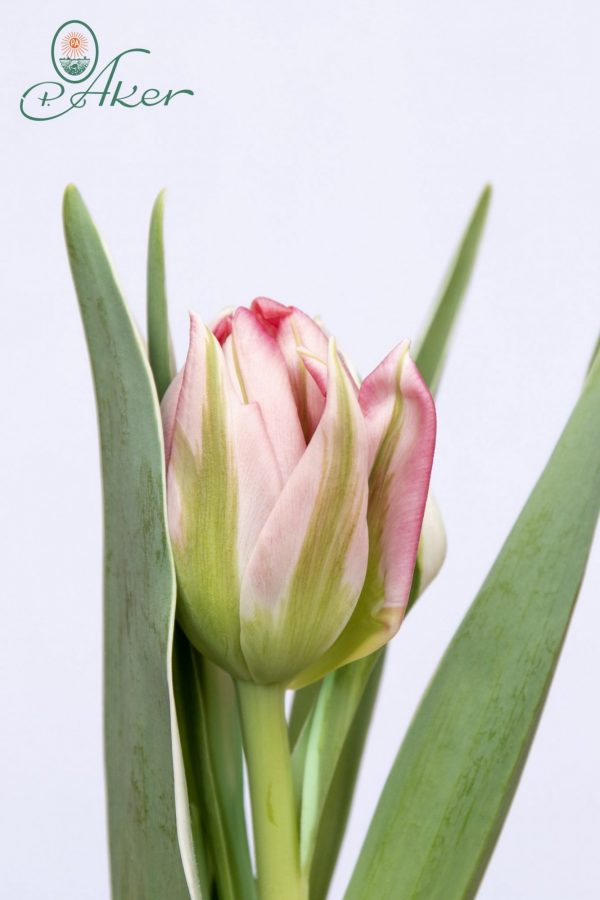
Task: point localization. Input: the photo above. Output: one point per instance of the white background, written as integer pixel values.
(329, 158)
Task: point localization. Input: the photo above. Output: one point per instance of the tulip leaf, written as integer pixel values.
(191, 721)
(303, 703)
(334, 712)
(160, 352)
(150, 840)
(213, 765)
(339, 799)
(431, 350)
(451, 786)
(207, 708)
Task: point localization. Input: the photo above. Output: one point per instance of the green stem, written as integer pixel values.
(274, 811)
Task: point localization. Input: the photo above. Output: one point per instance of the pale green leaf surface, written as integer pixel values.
(142, 752)
(205, 696)
(304, 700)
(191, 721)
(336, 706)
(455, 775)
(212, 754)
(334, 817)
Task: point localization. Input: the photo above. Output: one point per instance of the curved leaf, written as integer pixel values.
(332, 824)
(451, 786)
(143, 756)
(336, 707)
(207, 708)
(208, 723)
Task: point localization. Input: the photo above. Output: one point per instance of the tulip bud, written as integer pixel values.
(295, 499)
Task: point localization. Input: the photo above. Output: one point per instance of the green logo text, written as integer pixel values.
(75, 57)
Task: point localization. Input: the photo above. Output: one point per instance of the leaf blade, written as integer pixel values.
(334, 817)
(209, 728)
(141, 750)
(334, 712)
(458, 768)
(213, 763)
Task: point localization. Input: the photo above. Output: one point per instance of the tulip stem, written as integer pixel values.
(274, 810)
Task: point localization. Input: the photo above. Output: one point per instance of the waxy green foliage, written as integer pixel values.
(139, 588)
(204, 695)
(453, 780)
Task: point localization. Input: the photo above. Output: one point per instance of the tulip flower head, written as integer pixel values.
(296, 498)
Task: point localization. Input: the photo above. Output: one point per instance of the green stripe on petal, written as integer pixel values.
(401, 423)
(203, 505)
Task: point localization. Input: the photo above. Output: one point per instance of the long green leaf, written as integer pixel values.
(191, 721)
(430, 358)
(339, 799)
(431, 350)
(206, 707)
(336, 707)
(454, 778)
(143, 757)
(302, 706)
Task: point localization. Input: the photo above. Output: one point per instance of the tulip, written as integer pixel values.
(295, 497)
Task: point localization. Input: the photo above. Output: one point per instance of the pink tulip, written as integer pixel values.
(295, 498)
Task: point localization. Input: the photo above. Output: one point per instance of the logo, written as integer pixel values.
(75, 57)
(74, 51)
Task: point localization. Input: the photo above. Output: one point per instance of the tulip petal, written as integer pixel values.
(259, 479)
(261, 370)
(221, 327)
(401, 470)
(316, 368)
(168, 409)
(308, 566)
(202, 499)
(400, 417)
(294, 329)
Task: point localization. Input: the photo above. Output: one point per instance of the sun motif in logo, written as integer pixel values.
(74, 45)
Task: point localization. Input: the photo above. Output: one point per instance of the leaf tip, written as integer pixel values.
(159, 203)
(485, 199)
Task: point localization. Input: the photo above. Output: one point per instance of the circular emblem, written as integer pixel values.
(74, 51)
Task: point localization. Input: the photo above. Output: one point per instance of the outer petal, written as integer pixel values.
(263, 377)
(222, 481)
(307, 569)
(293, 328)
(168, 409)
(202, 500)
(400, 416)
